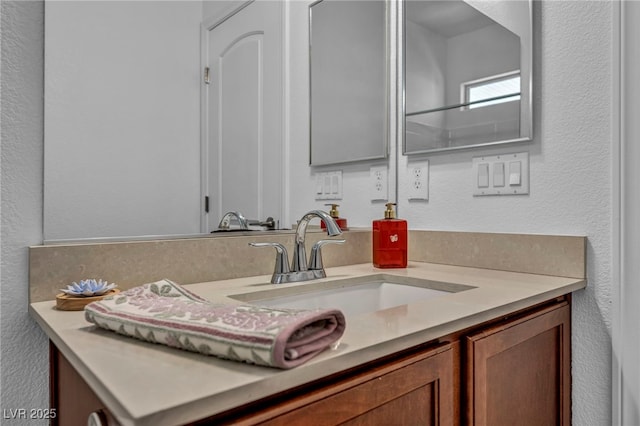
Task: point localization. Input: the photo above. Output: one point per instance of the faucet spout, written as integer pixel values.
(226, 220)
(299, 262)
(299, 270)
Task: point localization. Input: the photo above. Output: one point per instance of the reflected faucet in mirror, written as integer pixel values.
(244, 224)
(225, 222)
(301, 270)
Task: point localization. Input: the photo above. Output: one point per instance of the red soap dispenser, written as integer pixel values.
(390, 240)
(341, 221)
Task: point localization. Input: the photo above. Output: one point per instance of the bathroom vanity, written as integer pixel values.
(495, 353)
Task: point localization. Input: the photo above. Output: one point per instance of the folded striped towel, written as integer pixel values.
(167, 313)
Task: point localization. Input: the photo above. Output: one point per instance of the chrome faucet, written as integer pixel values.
(226, 220)
(299, 262)
(299, 270)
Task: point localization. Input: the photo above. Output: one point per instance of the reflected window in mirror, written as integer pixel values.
(467, 74)
(491, 90)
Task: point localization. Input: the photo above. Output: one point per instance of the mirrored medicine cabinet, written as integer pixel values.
(467, 74)
(348, 81)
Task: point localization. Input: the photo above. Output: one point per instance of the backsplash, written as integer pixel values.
(184, 261)
(557, 255)
(195, 260)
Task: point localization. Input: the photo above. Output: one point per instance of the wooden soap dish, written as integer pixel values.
(64, 302)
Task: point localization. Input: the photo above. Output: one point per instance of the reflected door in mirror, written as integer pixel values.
(244, 114)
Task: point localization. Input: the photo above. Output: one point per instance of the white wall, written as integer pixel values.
(570, 184)
(24, 364)
(122, 118)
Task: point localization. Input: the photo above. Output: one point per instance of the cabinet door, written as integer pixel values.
(71, 397)
(519, 372)
(414, 390)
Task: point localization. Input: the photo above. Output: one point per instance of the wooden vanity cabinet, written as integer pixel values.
(514, 370)
(71, 397)
(519, 372)
(416, 389)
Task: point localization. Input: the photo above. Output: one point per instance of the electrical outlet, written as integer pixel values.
(418, 181)
(379, 183)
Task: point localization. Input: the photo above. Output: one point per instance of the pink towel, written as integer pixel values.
(166, 313)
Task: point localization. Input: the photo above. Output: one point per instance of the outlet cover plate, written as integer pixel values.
(379, 182)
(418, 178)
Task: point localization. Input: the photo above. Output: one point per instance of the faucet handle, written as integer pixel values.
(315, 258)
(282, 265)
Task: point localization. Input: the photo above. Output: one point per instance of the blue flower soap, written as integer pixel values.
(87, 288)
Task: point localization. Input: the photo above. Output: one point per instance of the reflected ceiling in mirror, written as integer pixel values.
(467, 74)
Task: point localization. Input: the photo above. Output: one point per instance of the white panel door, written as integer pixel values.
(626, 334)
(244, 118)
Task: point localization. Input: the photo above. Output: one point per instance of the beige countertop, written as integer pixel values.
(147, 384)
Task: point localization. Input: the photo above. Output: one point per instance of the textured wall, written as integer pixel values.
(570, 175)
(23, 347)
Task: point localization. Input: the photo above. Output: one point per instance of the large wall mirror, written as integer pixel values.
(125, 87)
(467, 67)
(349, 81)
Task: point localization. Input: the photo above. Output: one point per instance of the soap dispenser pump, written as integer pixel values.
(390, 240)
(341, 221)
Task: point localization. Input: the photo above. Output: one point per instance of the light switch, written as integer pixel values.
(329, 185)
(483, 175)
(498, 174)
(334, 184)
(515, 173)
(319, 185)
(504, 174)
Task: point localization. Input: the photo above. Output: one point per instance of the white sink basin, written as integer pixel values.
(354, 296)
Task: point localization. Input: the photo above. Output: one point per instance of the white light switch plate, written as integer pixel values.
(508, 174)
(379, 181)
(329, 185)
